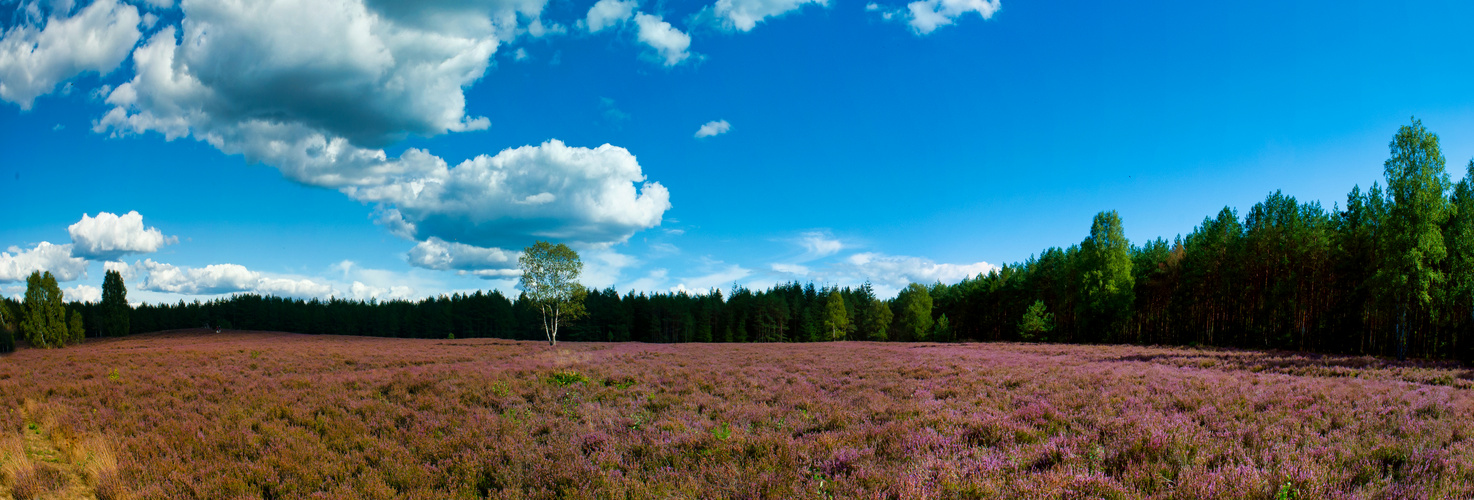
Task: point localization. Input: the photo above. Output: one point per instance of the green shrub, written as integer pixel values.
(563, 379)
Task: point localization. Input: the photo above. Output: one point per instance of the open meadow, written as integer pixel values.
(269, 415)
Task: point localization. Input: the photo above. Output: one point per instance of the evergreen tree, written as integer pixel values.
(75, 333)
(115, 309)
(1458, 237)
(44, 322)
(1036, 323)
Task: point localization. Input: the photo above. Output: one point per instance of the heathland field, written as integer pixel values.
(270, 415)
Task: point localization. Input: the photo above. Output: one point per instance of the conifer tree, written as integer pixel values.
(115, 309)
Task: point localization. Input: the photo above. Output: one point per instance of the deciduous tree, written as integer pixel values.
(550, 280)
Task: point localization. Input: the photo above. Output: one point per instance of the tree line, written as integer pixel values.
(1390, 273)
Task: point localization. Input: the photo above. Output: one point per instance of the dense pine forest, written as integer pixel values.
(1389, 273)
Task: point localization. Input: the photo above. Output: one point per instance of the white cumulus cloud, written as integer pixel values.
(550, 191)
(744, 15)
(891, 273)
(670, 44)
(928, 15)
(110, 236)
(315, 88)
(820, 244)
(18, 263)
(82, 293)
(609, 14)
(35, 56)
(439, 254)
(712, 128)
(218, 279)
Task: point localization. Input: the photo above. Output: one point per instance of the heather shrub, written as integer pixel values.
(479, 418)
(38, 480)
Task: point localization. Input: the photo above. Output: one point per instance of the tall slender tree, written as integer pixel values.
(1107, 287)
(115, 309)
(550, 280)
(836, 317)
(1413, 242)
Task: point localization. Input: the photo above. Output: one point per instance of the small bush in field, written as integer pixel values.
(567, 378)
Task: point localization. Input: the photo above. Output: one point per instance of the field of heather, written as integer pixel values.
(270, 415)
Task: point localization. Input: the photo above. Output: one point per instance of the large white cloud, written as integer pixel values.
(18, 263)
(745, 14)
(670, 44)
(549, 191)
(35, 56)
(109, 236)
(242, 79)
(928, 15)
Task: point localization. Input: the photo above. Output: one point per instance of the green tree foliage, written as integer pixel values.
(913, 320)
(75, 332)
(114, 306)
(942, 331)
(877, 319)
(1107, 286)
(550, 280)
(1458, 237)
(1413, 241)
(1036, 323)
(836, 316)
(44, 319)
(7, 327)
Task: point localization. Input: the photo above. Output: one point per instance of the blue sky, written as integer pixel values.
(402, 149)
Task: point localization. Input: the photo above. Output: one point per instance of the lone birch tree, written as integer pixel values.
(550, 280)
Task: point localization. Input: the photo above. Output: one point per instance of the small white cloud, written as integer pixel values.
(713, 128)
(744, 15)
(891, 273)
(442, 255)
(609, 14)
(655, 280)
(82, 293)
(109, 236)
(669, 43)
(33, 61)
(216, 279)
(791, 269)
(602, 268)
(360, 291)
(928, 15)
(872, 7)
(819, 244)
(520, 54)
(720, 275)
(17, 264)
